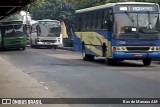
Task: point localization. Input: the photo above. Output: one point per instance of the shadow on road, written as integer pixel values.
(10, 50)
(101, 62)
(119, 63)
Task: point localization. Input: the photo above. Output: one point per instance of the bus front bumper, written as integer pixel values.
(8, 46)
(48, 43)
(124, 55)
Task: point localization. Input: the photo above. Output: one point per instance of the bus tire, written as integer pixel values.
(2, 49)
(55, 46)
(104, 50)
(49, 47)
(32, 46)
(23, 48)
(86, 57)
(110, 61)
(147, 62)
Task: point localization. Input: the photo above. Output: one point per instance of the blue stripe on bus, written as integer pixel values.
(124, 55)
(77, 43)
(106, 34)
(132, 42)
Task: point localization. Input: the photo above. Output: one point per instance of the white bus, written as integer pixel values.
(46, 33)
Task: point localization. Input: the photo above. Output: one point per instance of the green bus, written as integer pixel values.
(13, 35)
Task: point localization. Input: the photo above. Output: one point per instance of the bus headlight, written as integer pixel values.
(124, 49)
(119, 49)
(38, 40)
(154, 48)
(21, 37)
(157, 48)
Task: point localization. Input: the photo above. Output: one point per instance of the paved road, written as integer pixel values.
(66, 75)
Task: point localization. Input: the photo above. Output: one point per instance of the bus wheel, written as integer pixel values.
(2, 49)
(110, 61)
(23, 48)
(147, 62)
(86, 57)
(55, 46)
(32, 46)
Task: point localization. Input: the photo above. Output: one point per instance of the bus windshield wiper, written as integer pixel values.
(131, 18)
(149, 21)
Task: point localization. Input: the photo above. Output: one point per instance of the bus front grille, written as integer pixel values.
(50, 41)
(137, 49)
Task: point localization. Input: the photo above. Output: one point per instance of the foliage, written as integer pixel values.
(53, 9)
(64, 9)
(16, 16)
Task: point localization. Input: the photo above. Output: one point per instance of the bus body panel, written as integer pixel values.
(135, 56)
(16, 42)
(13, 35)
(136, 49)
(93, 42)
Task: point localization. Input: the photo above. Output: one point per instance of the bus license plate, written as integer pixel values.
(137, 55)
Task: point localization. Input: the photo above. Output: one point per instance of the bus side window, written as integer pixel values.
(100, 20)
(79, 23)
(107, 20)
(90, 20)
(95, 17)
(38, 30)
(87, 21)
(83, 22)
(34, 28)
(75, 24)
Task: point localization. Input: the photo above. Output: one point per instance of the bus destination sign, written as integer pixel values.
(136, 8)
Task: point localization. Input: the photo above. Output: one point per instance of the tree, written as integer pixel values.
(53, 9)
(16, 16)
(65, 9)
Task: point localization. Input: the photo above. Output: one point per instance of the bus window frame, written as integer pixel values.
(89, 20)
(108, 21)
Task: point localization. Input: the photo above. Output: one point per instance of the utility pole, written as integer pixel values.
(27, 21)
(28, 27)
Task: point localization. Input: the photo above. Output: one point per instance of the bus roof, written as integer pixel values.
(47, 20)
(13, 21)
(112, 5)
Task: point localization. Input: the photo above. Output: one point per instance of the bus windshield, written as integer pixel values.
(14, 30)
(137, 25)
(50, 29)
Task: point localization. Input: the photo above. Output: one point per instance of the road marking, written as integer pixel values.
(46, 87)
(41, 82)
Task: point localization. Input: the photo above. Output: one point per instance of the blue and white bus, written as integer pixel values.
(119, 31)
